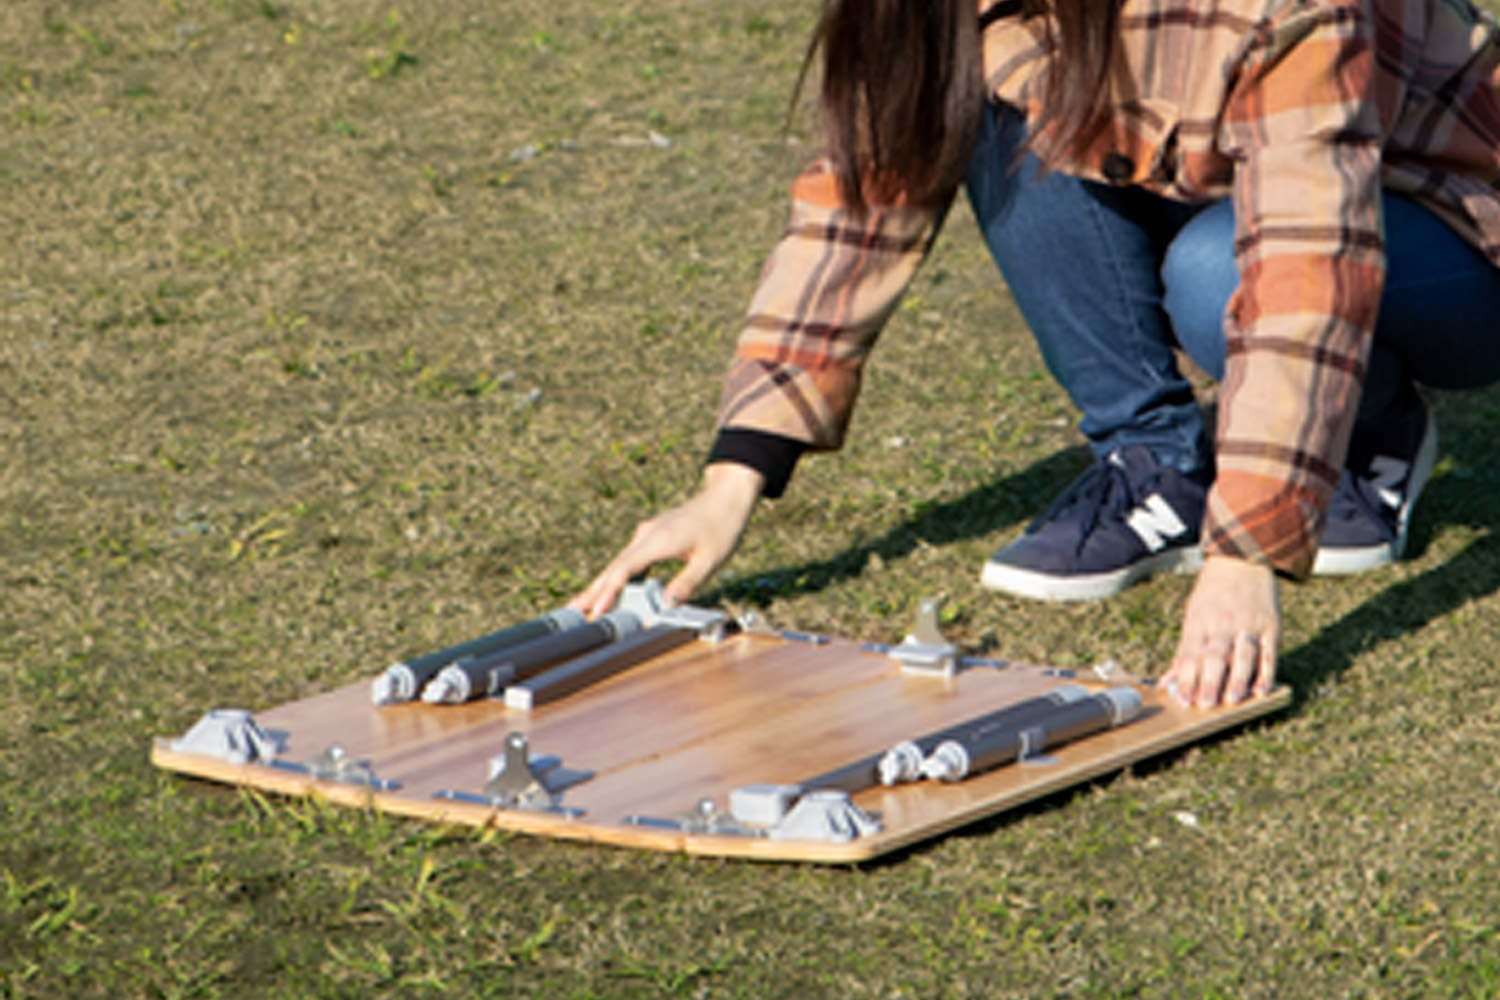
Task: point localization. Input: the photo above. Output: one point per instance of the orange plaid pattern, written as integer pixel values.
(1298, 110)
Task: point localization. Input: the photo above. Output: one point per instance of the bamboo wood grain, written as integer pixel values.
(696, 723)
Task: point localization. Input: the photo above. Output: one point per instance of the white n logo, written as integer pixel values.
(1154, 521)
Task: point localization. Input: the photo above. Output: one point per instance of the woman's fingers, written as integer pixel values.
(702, 533)
(1253, 662)
(649, 546)
(688, 579)
(1227, 649)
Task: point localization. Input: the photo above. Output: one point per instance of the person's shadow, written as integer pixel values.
(1464, 491)
(1023, 494)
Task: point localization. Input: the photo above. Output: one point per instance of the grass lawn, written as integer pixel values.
(332, 332)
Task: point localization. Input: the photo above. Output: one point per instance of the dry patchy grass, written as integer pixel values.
(333, 332)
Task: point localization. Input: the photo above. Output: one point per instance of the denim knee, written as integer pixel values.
(1198, 276)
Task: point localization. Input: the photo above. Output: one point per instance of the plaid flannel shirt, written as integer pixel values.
(1298, 110)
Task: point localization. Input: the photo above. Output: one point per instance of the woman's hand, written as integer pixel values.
(1227, 650)
(702, 532)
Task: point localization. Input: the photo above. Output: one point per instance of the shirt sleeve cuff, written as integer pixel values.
(772, 455)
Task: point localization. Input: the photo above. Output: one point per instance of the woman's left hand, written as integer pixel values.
(1228, 646)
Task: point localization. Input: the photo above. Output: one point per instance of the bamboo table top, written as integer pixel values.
(695, 723)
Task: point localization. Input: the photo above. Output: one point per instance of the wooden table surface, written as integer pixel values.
(696, 723)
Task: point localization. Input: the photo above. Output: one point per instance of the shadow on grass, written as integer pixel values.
(1472, 574)
(1465, 497)
(1468, 422)
(1023, 494)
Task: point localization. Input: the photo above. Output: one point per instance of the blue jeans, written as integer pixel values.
(1111, 279)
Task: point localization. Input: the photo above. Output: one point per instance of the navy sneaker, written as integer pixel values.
(1370, 510)
(1125, 518)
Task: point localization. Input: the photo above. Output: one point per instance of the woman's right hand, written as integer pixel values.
(702, 532)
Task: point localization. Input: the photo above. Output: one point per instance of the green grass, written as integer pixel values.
(334, 332)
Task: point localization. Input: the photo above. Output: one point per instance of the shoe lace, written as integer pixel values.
(1103, 489)
(1357, 497)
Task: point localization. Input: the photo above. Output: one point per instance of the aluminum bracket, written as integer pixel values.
(520, 781)
(334, 764)
(752, 622)
(704, 817)
(826, 816)
(763, 804)
(925, 651)
(231, 734)
(649, 603)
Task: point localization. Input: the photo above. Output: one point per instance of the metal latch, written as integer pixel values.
(520, 781)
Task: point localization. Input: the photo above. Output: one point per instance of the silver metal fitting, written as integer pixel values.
(229, 734)
(649, 603)
(925, 650)
(826, 816)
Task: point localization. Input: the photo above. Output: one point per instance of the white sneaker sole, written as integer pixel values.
(1347, 561)
(1048, 587)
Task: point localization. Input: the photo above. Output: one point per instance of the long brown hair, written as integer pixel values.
(903, 87)
(1082, 36)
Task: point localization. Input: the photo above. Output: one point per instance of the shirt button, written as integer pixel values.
(1117, 168)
